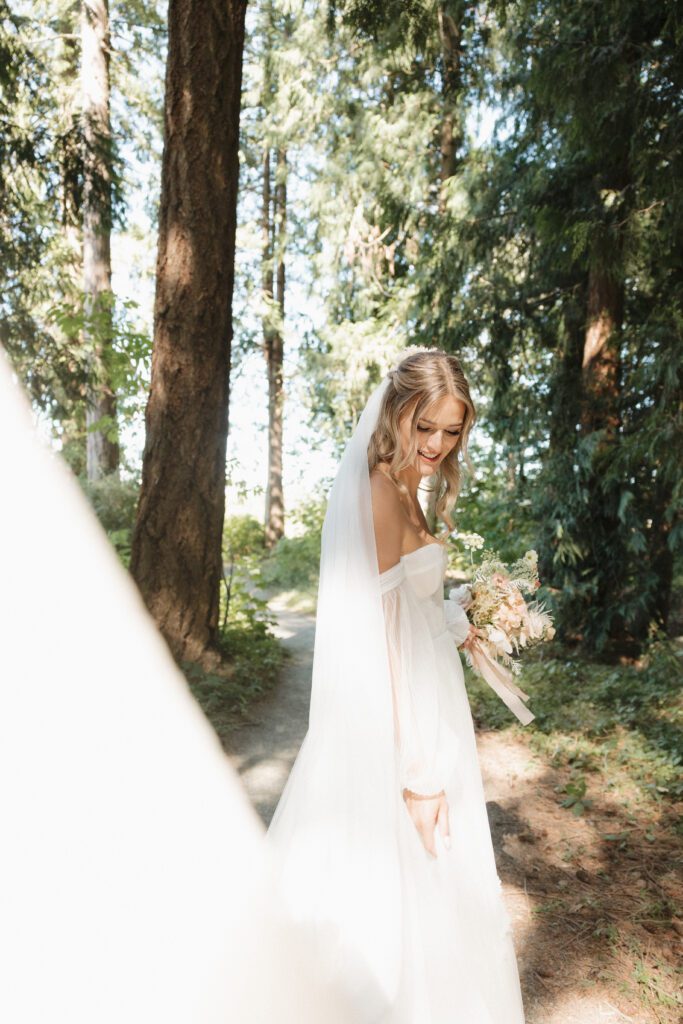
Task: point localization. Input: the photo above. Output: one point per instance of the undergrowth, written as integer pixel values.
(597, 717)
(252, 658)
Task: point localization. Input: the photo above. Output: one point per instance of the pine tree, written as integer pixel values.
(268, 133)
(176, 558)
(102, 445)
(556, 263)
(274, 347)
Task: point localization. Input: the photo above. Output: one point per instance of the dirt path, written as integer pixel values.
(567, 891)
(263, 750)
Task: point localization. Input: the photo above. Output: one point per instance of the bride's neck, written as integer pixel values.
(408, 476)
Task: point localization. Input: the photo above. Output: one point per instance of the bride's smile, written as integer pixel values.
(437, 434)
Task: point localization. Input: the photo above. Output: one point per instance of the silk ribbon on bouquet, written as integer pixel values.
(501, 682)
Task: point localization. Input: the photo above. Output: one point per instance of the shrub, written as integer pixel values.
(242, 535)
(114, 502)
(294, 562)
(629, 714)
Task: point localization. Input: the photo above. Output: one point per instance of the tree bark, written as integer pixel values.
(566, 393)
(601, 357)
(600, 412)
(450, 141)
(102, 449)
(176, 557)
(661, 556)
(451, 134)
(275, 512)
(67, 72)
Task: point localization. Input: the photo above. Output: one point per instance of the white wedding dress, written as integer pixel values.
(442, 921)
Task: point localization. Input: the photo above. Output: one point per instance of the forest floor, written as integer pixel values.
(589, 896)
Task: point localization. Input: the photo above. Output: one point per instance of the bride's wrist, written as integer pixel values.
(409, 794)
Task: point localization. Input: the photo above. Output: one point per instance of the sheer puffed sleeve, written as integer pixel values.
(455, 605)
(415, 699)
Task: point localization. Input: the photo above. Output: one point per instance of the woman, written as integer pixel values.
(381, 832)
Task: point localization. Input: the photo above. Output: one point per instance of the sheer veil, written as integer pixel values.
(334, 829)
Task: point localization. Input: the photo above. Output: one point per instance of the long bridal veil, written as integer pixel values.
(335, 825)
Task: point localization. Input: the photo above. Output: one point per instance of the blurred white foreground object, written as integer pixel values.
(134, 879)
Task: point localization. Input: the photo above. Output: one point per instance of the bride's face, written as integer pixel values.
(438, 431)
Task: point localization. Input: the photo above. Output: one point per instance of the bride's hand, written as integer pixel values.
(427, 813)
(472, 635)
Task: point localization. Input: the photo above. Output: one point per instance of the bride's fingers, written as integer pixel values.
(427, 834)
(425, 814)
(443, 824)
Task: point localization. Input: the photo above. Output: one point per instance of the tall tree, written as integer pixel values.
(568, 257)
(102, 445)
(42, 105)
(451, 18)
(271, 130)
(176, 557)
(450, 34)
(274, 349)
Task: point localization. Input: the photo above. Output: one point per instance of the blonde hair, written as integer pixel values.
(419, 381)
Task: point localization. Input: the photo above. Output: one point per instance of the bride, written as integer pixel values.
(381, 835)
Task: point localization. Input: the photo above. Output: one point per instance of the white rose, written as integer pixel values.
(461, 594)
(500, 639)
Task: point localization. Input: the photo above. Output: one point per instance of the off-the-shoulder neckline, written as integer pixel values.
(429, 544)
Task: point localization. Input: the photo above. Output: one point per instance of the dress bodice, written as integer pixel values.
(423, 569)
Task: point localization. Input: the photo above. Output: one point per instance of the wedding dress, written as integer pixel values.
(459, 962)
(411, 939)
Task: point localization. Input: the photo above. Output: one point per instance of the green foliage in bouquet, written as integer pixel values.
(508, 622)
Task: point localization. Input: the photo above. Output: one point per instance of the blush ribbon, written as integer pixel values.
(501, 682)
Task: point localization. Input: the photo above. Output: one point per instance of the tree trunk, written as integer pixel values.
(275, 513)
(176, 557)
(451, 137)
(67, 72)
(451, 133)
(660, 555)
(600, 368)
(600, 412)
(101, 442)
(566, 393)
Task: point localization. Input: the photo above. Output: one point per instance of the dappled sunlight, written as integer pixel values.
(179, 261)
(590, 896)
(224, 228)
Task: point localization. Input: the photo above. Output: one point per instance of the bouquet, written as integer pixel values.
(506, 623)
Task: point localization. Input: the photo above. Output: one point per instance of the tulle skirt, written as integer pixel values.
(456, 962)
(458, 959)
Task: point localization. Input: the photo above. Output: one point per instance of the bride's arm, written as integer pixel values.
(414, 713)
(413, 723)
(414, 716)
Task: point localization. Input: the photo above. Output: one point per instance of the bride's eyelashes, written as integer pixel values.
(452, 433)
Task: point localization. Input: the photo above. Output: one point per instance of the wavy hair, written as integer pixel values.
(419, 381)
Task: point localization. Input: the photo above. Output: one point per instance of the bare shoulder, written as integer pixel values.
(388, 517)
(386, 500)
